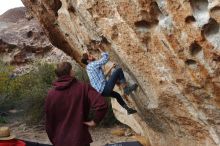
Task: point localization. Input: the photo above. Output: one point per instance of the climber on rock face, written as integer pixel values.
(99, 82)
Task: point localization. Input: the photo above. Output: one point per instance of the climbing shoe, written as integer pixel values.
(131, 111)
(129, 89)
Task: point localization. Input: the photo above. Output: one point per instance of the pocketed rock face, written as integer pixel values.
(21, 37)
(171, 48)
(23, 42)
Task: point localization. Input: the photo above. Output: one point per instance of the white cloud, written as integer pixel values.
(8, 4)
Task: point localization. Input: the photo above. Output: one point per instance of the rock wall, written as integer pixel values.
(23, 42)
(171, 48)
(21, 37)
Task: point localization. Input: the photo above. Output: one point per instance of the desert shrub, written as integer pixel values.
(81, 75)
(26, 92)
(5, 71)
(2, 120)
(36, 83)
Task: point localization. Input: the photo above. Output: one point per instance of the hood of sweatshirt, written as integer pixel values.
(63, 82)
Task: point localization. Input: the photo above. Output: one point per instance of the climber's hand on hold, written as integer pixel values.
(113, 65)
(110, 69)
(86, 52)
(100, 47)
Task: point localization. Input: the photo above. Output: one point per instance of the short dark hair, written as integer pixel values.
(63, 69)
(85, 58)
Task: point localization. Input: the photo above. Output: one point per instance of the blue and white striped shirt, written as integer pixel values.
(96, 74)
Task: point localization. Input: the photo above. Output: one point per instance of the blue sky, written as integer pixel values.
(8, 4)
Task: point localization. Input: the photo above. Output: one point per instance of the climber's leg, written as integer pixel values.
(118, 97)
(122, 103)
(120, 100)
(117, 75)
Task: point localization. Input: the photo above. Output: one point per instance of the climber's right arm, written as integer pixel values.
(104, 59)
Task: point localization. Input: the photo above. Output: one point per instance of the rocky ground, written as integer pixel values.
(100, 135)
(36, 133)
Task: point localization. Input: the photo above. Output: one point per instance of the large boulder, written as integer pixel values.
(171, 48)
(23, 42)
(21, 37)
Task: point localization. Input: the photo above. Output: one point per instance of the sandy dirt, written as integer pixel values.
(100, 135)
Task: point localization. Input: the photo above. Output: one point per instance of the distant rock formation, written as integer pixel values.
(171, 48)
(23, 41)
(21, 37)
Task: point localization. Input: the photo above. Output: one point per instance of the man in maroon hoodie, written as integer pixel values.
(67, 108)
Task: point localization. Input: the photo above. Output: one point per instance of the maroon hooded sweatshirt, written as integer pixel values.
(67, 107)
